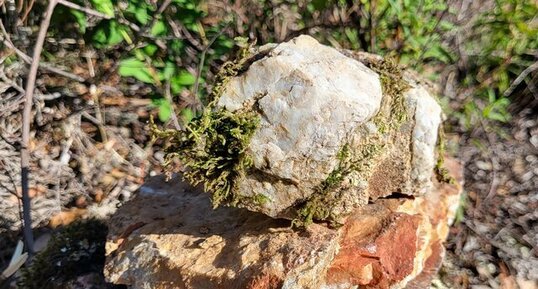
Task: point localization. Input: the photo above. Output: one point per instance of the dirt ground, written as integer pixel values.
(494, 245)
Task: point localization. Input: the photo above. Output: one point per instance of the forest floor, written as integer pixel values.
(494, 245)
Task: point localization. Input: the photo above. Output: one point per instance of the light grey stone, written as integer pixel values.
(313, 100)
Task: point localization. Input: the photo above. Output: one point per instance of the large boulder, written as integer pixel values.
(169, 236)
(328, 134)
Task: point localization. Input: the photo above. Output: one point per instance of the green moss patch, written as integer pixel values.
(393, 111)
(441, 173)
(213, 147)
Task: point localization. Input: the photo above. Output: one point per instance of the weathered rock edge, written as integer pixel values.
(316, 133)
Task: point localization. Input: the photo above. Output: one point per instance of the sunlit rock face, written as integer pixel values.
(345, 138)
(313, 101)
(169, 237)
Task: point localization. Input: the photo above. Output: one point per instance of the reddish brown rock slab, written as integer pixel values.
(168, 236)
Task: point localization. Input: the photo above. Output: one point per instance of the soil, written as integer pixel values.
(495, 244)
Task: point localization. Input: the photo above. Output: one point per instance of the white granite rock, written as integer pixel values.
(312, 100)
(427, 121)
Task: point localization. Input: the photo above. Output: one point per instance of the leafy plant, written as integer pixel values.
(503, 45)
(152, 52)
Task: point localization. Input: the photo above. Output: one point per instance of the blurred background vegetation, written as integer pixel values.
(479, 46)
(125, 60)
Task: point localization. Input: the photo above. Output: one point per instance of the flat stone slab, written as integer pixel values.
(169, 236)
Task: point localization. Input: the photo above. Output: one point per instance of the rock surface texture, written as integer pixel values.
(170, 237)
(304, 132)
(332, 130)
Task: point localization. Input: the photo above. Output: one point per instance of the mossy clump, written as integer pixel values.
(392, 112)
(213, 146)
(77, 249)
(356, 162)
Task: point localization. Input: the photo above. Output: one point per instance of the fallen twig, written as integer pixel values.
(26, 117)
(520, 78)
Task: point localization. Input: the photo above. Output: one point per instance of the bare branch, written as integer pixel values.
(520, 78)
(26, 117)
(168, 96)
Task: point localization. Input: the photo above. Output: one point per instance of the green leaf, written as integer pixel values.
(176, 46)
(150, 49)
(320, 4)
(439, 53)
(108, 33)
(168, 71)
(185, 78)
(104, 6)
(165, 108)
(80, 18)
(165, 111)
(179, 81)
(159, 29)
(135, 68)
(187, 115)
(141, 14)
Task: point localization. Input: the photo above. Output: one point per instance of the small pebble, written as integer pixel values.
(509, 240)
(492, 268)
(471, 244)
(525, 252)
(486, 166)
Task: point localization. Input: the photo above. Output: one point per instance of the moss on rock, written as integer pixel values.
(356, 161)
(441, 173)
(213, 147)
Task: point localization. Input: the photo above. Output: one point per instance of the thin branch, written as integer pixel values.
(520, 78)
(26, 117)
(202, 60)
(155, 16)
(27, 11)
(86, 10)
(63, 73)
(168, 96)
